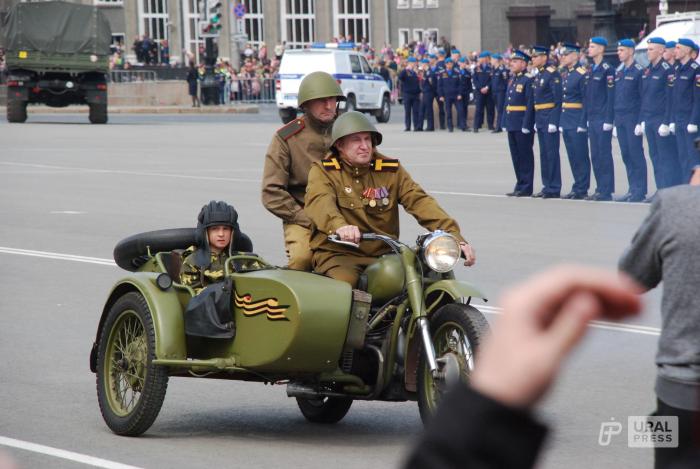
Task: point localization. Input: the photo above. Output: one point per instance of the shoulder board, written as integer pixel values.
(331, 164)
(665, 65)
(293, 128)
(581, 70)
(551, 69)
(694, 65)
(605, 66)
(639, 67)
(385, 165)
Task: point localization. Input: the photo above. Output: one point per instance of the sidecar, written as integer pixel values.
(294, 327)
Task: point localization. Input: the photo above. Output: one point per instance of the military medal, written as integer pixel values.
(372, 203)
(348, 189)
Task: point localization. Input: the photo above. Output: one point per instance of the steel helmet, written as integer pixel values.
(352, 122)
(317, 85)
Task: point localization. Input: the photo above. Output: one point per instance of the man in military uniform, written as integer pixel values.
(547, 104)
(573, 121)
(518, 122)
(410, 91)
(465, 75)
(293, 149)
(599, 106)
(483, 97)
(628, 124)
(449, 89)
(427, 96)
(670, 54)
(499, 85)
(655, 114)
(686, 106)
(439, 67)
(357, 190)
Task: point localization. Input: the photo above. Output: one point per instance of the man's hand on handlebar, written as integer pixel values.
(349, 233)
(469, 254)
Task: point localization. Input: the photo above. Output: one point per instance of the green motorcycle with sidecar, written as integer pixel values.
(406, 333)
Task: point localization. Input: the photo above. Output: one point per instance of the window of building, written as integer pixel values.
(351, 19)
(400, 4)
(254, 25)
(417, 34)
(417, 3)
(191, 17)
(431, 34)
(109, 2)
(153, 18)
(431, 4)
(298, 22)
(403, 36)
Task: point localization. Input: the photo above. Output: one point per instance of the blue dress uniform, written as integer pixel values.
(657, 89)
(599, 106)
(519, 116)
(628, 102)
(410, 91)
(686, 111)
(483, 102)
(547, 94)
(428, 87)
(439, 68)
(573, 125)
(466, 76)
(449, 87)
(499, 85)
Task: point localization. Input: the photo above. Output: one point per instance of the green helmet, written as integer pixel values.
(352, 122)
(319, 85)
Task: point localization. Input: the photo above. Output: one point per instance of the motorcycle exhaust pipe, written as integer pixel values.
(300, 390)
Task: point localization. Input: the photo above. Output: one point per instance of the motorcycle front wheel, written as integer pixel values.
(457, 331)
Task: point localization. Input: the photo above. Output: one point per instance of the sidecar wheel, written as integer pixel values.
(130, 389)
(324, 410)
(457, 330)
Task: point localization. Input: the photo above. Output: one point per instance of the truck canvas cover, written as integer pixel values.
(51, 35)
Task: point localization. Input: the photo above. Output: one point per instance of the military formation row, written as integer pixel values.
(590, 105)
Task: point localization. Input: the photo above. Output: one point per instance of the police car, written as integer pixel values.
(670, 27)
(365, 91)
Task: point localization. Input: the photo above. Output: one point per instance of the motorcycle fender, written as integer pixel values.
(450, 290)
(166, 311)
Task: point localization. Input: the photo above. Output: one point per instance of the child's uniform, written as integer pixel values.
(199, 278)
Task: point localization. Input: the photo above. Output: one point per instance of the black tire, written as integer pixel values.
(125, 371)
(16, 110)
(287, 115)
(467, 323)
(384, 113)
(130, 252)
(98, 113)
(325, 410)
(350, 103)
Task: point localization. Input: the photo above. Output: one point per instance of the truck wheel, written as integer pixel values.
(16, 110)
(456, 330)
(130, 389)
(350, 104)
(384, 112)
(324, 410)
(98, 113)
(288, 115)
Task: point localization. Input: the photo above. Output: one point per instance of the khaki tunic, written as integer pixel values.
(334, 199)
(294, 148)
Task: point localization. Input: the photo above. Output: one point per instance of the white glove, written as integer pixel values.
(638, 130)
(607, 127)
(614, 132)
(581, 130)
(664, 131)
(525, 131)
(561, 130)
(672, 127)
(644, 127)
(551, 128)
(692, 128)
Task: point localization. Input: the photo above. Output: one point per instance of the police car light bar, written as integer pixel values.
(333, 45)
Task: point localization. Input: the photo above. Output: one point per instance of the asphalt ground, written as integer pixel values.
(69, 188)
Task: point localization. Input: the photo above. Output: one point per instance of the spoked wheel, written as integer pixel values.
(324, 410)
(130, 389)
(456, 330)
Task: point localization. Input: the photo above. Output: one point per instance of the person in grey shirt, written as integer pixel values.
(667, 248)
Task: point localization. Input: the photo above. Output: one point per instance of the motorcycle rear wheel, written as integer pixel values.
(457, 331)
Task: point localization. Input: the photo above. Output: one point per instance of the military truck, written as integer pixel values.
(57, 54)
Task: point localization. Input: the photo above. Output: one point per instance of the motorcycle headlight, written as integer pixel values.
(441, 251)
